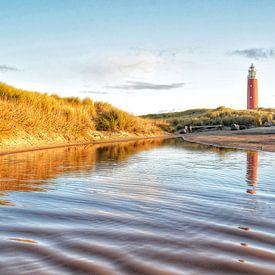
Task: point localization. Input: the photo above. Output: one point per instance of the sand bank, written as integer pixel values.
(251, 139)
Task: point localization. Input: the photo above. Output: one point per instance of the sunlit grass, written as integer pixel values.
(30, 116)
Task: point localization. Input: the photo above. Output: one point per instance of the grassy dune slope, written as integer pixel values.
(221, 115)
(31, 118)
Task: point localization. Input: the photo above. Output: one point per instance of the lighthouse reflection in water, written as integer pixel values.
(252, 162)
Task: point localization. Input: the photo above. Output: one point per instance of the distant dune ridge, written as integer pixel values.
(34, 119)
(221, 115)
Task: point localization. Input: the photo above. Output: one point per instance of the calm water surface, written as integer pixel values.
(146, 207)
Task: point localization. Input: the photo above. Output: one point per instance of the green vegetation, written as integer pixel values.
(29, 118)
(221, 115)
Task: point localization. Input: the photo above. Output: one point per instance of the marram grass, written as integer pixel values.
(32, 118)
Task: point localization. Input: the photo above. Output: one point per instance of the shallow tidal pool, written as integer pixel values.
(142, 207)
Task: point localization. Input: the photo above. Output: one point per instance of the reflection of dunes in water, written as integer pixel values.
(121, 151)
(5, 202)
(192, 146)
(29, 172)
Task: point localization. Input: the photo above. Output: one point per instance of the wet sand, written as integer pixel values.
(251, 139)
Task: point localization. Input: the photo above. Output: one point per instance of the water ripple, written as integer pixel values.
(146, 207)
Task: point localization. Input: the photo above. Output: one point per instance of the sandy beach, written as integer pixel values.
(252, 139)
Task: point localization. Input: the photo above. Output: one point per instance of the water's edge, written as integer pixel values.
(96, 142)
(244, 147)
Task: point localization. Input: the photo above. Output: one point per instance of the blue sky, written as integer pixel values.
(143, 56)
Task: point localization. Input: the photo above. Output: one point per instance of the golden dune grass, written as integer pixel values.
(32, 118)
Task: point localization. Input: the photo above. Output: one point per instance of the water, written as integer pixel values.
(146, 207)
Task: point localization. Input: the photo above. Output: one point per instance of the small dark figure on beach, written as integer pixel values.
(186, 128)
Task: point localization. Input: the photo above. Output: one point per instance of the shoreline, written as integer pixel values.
(217, 145)
(258, 139)
(94, 142)
(254, 139)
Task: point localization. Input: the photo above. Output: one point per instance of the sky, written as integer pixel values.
(144, 56)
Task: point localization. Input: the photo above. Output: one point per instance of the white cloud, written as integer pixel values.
(117, 69)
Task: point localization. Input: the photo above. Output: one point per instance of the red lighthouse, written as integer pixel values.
(252, 88)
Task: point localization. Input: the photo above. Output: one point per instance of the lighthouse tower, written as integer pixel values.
(252, 89)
